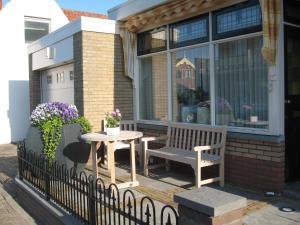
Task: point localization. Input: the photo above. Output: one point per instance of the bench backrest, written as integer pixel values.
(187, 136)
(129, 125)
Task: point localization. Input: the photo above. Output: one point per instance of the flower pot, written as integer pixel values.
(71, 151)
(254, 119)
(112, 131)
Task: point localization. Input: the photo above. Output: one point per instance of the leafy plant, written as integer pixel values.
(51, 135)
(85, 124)
(113, 119)
(50, 118)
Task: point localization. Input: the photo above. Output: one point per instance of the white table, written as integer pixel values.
(130, 136)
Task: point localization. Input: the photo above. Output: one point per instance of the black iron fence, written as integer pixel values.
(89, 200)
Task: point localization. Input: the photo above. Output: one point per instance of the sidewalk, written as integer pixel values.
(10, 212)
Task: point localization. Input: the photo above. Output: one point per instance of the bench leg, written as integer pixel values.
(146, 170)
(167, 165)
(198, 171)
(221, 174)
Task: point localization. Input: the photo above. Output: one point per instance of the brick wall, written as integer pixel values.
(257, 165)
(100, 84)
(159, 86)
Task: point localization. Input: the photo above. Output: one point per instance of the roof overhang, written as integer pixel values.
(132, 7)
(81, 24)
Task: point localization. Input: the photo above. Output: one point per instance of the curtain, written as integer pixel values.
(128, 41)
(271, 22)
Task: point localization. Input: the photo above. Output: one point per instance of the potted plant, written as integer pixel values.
(55, 132)
(113, 120)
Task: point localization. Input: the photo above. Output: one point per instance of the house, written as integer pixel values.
(243, 54)
(21, 23)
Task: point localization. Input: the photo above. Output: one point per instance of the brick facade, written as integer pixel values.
(100, 84)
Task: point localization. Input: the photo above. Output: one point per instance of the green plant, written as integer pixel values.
(113, 119)
(85, 124)
(50, 117)
(51, 134)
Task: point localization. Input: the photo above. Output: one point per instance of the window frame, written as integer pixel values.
(273, 116)
(36, 19)
(152, 50)
(193, 41)
(247, 30)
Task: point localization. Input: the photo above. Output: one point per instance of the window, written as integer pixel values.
(49, 79)
(35, 28)
(207, 81)
(241, 84)
(60, 77)
(153, 82)
(292, 11)
(152, 41)
(189, 32)
(190, 88)
(71, 75)
(241, 19)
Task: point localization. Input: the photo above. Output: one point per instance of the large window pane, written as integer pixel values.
(153, 88)
(190, 86)
(241, 84)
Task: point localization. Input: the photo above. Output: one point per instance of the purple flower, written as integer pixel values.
(45, 111)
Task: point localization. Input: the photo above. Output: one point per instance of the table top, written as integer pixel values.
(102, 136)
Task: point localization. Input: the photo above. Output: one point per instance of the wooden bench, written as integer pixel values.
(193, 144)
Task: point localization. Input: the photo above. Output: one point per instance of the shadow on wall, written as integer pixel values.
(18, 112)
(123, 87)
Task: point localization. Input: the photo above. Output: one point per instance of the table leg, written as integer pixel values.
(111, 161)
(94, 158)
(132, 160)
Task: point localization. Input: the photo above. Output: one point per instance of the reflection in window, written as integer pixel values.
(189, 32)
(152, 41)
(153, 86)
(191, 86)
(35, 29)
(241, 84)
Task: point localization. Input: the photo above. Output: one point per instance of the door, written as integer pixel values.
(292, 102)
(58, 84)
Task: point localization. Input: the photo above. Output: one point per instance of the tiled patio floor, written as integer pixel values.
(161, 186)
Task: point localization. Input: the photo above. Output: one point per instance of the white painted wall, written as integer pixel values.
(14, 78)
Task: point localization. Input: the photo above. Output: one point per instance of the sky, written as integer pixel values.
(98, 6)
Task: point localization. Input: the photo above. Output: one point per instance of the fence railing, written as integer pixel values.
(90, 201)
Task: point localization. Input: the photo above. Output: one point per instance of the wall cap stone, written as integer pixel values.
(210, 201)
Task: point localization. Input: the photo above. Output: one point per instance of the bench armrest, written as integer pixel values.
(202, 148)
(207, 147)
(147, 139)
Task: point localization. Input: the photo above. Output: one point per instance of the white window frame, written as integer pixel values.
(37, 19)
(274, 116)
